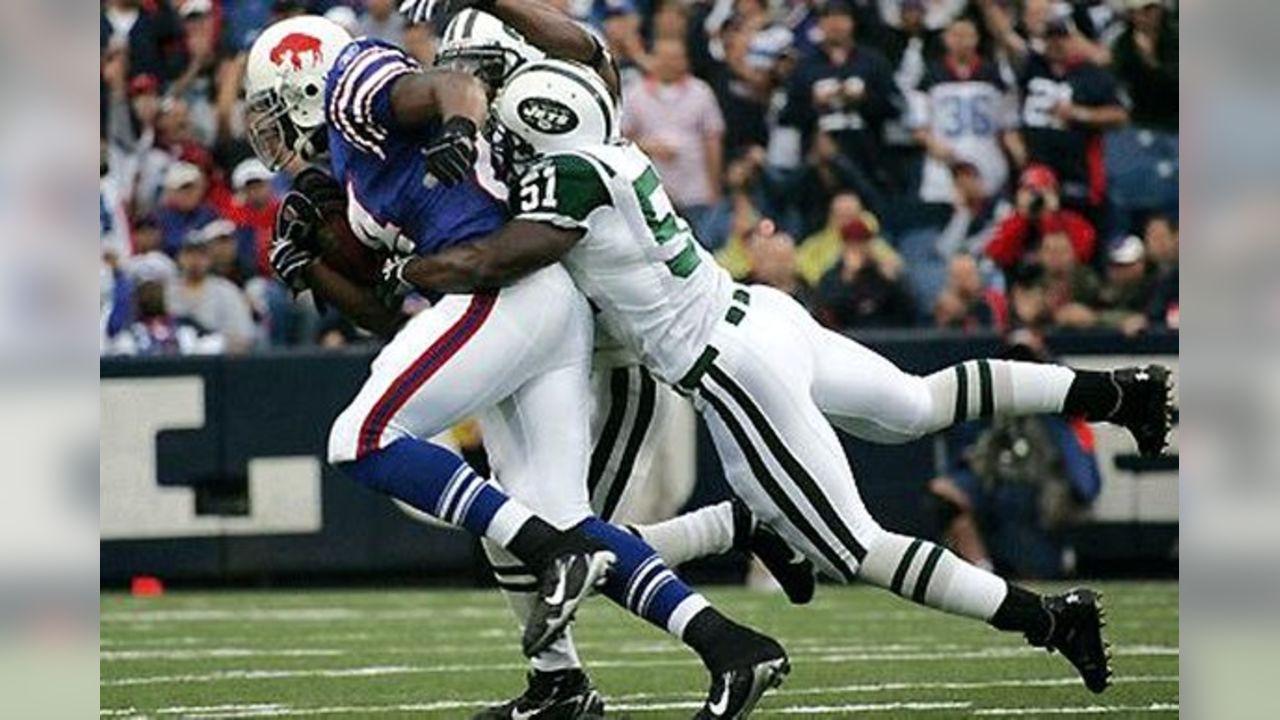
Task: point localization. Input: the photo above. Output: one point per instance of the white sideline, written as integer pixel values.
(1081, 710)
(214, 653)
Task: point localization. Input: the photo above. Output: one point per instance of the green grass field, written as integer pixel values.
(443, 654)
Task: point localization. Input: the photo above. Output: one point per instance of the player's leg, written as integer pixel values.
(446, 364)
(538, 447)
(631, 409)
(783, 456)
(866, 395)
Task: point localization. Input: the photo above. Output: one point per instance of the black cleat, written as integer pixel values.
(567, 580)
(1076, 632)
(735, 690)
(559, 695)
(1146, 406)
(793, 571)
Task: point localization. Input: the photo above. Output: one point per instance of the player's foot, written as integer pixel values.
(761, 665)
(1076, 632)
(1145, 408)
(558, 695)
(567, 580)
(793, 571)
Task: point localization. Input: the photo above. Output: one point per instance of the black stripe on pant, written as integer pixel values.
(794, 469)
(635, 438)
(767, 482)
(616, 434)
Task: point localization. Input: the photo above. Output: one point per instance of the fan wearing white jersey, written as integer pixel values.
(963, 111)
(769, 381)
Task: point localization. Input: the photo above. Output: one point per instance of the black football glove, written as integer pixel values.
(392, 287)
(451, 157)
(420, 11)
(325, 193)
(294, 244)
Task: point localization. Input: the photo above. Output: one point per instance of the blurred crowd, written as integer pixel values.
(974, 165)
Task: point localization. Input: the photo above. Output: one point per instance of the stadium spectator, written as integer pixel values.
(253, 209)
(1146, 62)
(145, 32)
(846, 90)
(674, 117)
(1161, 234)
(148, 249)
(973, 212)
(967, 302)
(183, 208)
(1014, 484)
(213, 303)
(755, 56)
(1067, 103)
(154, 330)
(821, 251)
(737, 213)
(209, 76)
(621, 26)
(1037, 213)
(380, 20)
(1130, 282)
(857, 292)
(227, 259)
(773, 263)
(965, 111)
(1071, 289)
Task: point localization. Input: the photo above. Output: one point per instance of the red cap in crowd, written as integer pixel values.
(144, 84)
(856, 231)
(1039, 177)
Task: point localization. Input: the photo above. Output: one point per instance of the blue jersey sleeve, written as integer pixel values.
(358, 101)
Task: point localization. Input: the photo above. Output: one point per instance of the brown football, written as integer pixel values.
(342, 251)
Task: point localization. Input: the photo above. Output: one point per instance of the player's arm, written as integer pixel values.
(437, 94)
(552, 202)
(496, 260)
(555, 33)
(358, 304)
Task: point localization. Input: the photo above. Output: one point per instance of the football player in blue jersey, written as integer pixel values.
(403, 141)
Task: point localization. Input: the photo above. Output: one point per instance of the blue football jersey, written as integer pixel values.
(383, 166)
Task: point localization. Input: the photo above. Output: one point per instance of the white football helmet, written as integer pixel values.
(554, 105)
(483, 45)
(284, 87)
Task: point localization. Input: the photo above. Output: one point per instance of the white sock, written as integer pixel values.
(519, 586)
(996, 387)
(931, 575)
(701, 533)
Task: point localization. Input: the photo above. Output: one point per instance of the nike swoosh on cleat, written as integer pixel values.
(557, 597)
(718, 707)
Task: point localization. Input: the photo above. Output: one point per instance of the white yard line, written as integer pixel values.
(250, 674)
(678, 701)
(1081, 710)
(849, 709)
(215, 653)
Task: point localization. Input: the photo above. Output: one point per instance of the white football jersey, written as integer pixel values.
(657, 289)
(968, 114)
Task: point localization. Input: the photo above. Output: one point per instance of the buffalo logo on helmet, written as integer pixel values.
(296, 46)
(547, 115)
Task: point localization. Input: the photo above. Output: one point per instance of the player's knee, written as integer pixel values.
(344, 437)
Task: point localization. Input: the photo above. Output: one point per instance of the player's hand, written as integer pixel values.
(452, 156)
(393, 288)
(293, 243)
(323, 191)
(420, 11)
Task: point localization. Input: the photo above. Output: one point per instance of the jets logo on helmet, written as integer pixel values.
(547, 115)
(554, 105)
